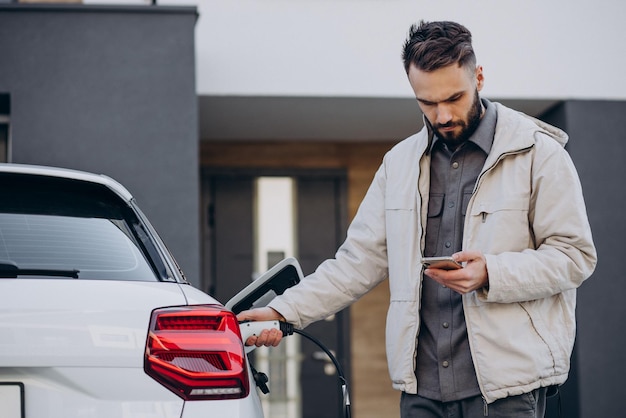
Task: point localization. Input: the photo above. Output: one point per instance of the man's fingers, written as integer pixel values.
(246, 316)
(458, 280)
(267, 337)
(259, 314)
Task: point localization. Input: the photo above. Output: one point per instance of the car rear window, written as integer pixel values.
(69, 228)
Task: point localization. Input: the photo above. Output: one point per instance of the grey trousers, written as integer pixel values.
(528, 405)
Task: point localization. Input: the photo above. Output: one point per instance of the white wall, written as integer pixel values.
(529, 49)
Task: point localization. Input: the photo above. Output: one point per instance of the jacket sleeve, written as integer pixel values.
(562, 254)
(359, 265)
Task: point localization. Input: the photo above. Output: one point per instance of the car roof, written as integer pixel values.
(40, 170)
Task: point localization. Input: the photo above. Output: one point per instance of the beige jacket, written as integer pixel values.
(527, 215)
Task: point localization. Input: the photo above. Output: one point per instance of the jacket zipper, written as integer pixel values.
(418, 319)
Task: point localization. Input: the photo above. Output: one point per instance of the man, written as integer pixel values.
(494, 189)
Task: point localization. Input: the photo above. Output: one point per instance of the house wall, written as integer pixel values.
(110, 90)
(351, 48)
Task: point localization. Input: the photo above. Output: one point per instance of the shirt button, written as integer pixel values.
(455, 165)
(445, 325)
(451, 204)
(448, 244)
(445, 363)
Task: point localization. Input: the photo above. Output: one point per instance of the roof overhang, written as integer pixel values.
(322, 118)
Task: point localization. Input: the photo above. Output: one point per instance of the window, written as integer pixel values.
(93, 247)
(68, 228)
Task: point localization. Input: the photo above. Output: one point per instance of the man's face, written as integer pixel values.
(449, 99)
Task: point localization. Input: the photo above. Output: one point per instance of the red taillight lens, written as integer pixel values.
(197, 353)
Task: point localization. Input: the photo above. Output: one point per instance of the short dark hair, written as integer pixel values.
(434, 45)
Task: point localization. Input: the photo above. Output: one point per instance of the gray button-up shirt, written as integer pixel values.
(445, 371)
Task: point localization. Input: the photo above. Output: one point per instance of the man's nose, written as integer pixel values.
(444, 114)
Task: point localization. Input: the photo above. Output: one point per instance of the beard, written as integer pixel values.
(468, 126)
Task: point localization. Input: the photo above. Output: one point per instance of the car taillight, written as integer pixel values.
(197, 353)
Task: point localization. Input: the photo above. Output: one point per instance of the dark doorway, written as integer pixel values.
(230, 202)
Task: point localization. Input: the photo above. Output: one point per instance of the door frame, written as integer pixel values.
(209, 281)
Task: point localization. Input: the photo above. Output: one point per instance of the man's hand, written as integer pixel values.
(471, 277)
(267, 337)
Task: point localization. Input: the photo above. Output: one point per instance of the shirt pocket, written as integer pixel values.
(435, 205)
(466, 198)
(435, 209)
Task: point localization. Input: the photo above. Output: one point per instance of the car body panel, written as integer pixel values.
(65, 322)
(56, 392)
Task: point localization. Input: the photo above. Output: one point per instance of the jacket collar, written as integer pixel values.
(516, 130)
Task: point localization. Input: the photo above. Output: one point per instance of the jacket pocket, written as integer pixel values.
(503, 205)
(508, 348)
(503, 224)
(402, 246)
(554, 332)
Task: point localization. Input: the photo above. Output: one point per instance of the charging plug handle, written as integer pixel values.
(254, 328)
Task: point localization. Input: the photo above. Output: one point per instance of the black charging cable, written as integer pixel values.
(288, 329)
(340, 374)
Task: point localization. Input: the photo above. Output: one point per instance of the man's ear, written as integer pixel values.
(480, 77)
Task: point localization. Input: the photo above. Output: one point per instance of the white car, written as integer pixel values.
(96, 318)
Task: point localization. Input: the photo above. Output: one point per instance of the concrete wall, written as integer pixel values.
(110, 90)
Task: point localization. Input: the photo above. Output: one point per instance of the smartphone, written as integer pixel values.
(445, 263)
